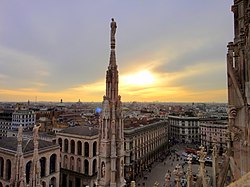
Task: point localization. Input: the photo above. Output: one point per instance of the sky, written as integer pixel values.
(167, 51)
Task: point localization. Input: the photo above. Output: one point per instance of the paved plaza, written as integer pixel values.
(159, 170)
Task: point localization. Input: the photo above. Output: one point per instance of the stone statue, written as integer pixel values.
(103, 170)
(35, 132)
(113, 29)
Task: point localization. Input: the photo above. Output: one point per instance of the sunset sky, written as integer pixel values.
(173, 51)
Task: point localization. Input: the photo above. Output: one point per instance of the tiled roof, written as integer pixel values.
(10, 143)
(81, 130)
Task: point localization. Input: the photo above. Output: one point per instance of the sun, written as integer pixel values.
(141, 78)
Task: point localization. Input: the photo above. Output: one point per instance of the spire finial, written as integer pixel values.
(112, 33)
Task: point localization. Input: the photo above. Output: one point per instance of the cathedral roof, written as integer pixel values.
(81, 130)
(10, 143)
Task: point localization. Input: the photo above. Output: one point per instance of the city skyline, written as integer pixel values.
(166, 51)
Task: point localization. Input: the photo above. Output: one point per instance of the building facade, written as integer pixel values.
(79, 150)
(184, 129)
(144, 145)
(213, 132)
(26, 118)
(5, 122)
(111, 138)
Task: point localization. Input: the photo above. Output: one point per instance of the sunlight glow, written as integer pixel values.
(141, 78)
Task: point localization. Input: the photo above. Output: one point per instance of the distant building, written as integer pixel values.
(143, 146)
(184, 129)
(79, 147)
(5, 122)
(26, 118)
(213, 131)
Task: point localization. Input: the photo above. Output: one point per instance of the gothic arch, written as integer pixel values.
(28, 169)
(43, 184)
(8, 169)
(86, 167)
(52, 163)
(79, 148)
(65, 161)
(94, 148)
(86, 149)
(52, 182)
(1, 166)
(94, 165)
(43, 166)
(60, 142)
(72, 147)
(79, 164)
(66, 145)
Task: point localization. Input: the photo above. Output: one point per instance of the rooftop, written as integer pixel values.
(10, 143)
(81, 130)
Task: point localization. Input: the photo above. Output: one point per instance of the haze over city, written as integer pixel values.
(166, 50)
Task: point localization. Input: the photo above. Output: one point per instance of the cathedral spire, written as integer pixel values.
(19, 165)
(111, 138)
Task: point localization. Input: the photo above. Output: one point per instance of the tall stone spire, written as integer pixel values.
(35, 167)
(111, 138)
(19, 180)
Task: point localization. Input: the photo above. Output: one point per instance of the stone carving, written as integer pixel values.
(103, 170)
(232, 113)
(178, 173)
(202, 154)
(167, 179)
(106, 110)
(236, 133)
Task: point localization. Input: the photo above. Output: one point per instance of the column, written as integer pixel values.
(58, 161)
(69, 146)
(62, 145)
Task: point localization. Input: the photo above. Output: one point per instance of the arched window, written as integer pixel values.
(52, 182)
(72, 145)
(79, 148)
(1, 166)
(86, 167)
(52, 165)
(79, 164)
(43, 166)
(65, 162)
(94, 167)
(8, 169)
(86, 149)
(60, 142)
(28, 167)
(94, 148)
(66, 145)
(43, 184)
(72, 163)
